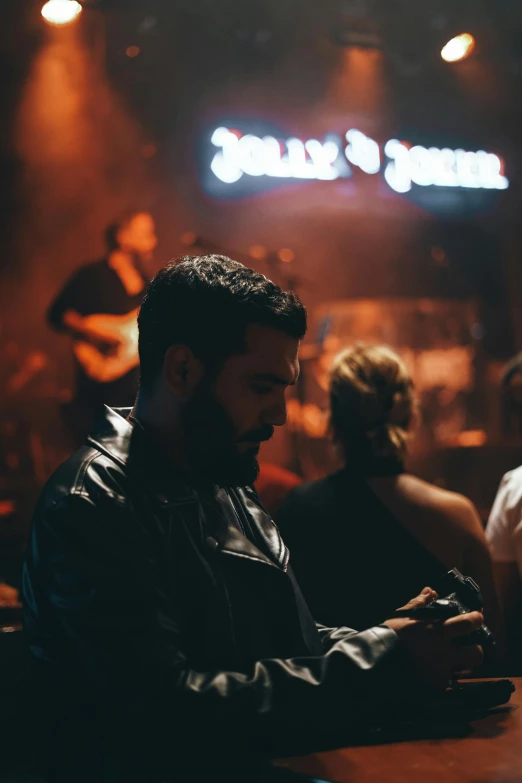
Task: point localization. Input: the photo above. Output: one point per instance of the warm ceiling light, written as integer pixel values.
(286, 255)
(458, 48)
(61, 11)
(258, 252)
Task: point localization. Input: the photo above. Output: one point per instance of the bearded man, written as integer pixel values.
(173, 639)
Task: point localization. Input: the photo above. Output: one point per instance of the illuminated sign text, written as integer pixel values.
(402, 164)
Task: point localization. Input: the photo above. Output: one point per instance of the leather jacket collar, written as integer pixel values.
(129, 445)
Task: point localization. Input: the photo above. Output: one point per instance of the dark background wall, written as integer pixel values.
(90, 131)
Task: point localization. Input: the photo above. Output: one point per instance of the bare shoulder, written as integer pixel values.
(441, 504)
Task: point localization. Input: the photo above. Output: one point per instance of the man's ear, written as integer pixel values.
(182, 370)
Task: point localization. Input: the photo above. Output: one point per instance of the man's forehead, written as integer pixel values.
(271, 352)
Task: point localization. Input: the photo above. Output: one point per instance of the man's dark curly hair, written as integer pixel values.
(206, 303)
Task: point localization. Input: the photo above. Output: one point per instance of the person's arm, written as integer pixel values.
(126, 637)
(64, 314)
(82, 326)
(502, 534)
(478, 564)
(73, 322)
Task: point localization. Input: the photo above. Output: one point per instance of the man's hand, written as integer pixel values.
(431, 646)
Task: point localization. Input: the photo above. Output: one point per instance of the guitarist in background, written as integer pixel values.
(98, 307)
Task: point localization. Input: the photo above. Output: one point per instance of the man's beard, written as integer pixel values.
(211, 443)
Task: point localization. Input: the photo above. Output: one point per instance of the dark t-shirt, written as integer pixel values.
(354, 562)
(97, 288)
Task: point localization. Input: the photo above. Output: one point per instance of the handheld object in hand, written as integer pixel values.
(461, 595)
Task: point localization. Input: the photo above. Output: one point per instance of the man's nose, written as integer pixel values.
(276, 415)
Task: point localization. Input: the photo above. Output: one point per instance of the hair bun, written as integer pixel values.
(372, 400)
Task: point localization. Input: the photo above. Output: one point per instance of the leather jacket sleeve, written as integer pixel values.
(125, 635)
(330, 636)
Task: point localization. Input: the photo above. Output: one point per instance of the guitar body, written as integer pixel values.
(111, 350)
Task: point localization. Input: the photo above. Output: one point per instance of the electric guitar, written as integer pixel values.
(109, 348)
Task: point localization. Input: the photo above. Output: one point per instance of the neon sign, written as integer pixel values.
(443, 168)
(255, 156)
(402, 164)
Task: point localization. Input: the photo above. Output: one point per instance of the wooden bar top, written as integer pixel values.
(490, 752)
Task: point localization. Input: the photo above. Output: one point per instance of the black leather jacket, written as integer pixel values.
(170, 629)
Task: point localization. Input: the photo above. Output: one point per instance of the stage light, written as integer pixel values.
(60, 12)
(458, 48)
(286, 255)
(189, 238)
(258, 252)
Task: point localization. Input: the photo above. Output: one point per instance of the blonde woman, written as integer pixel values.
(366, 538)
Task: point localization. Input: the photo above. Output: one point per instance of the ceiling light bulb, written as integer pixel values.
(458, 48)
(60, 12)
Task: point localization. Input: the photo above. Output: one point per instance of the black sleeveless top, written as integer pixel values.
(354, 562)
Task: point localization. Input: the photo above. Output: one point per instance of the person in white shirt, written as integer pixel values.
(504, 527)
(504, 536)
